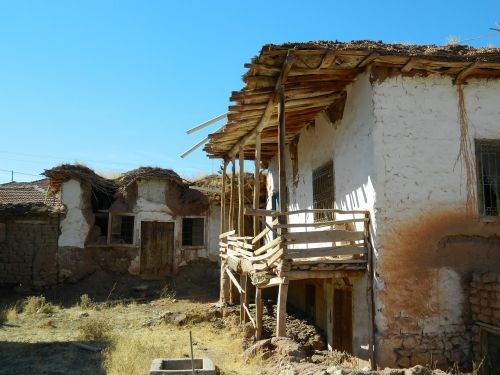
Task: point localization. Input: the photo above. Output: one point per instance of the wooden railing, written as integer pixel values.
(327, 245)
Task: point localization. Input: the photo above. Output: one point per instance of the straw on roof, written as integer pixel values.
(314, 77)
(127, 178)
(64, 172)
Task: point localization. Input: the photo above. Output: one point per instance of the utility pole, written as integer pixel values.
(11, 176)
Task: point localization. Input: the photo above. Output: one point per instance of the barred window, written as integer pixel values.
(323, 191)
(488, 153)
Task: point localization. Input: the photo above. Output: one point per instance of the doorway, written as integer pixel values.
(157, 247)
(342, 319)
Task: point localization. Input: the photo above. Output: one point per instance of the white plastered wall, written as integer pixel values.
(74, 227)
(349, 143)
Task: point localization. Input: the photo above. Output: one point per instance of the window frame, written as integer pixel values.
(110, 223)
(323, 216)
(479, 179)
(204, 232)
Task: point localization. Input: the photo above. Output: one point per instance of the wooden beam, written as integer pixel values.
(241, 195)
(302, 275)
(328, 59)
(233, 193)
(259, 310)
(321, 236)
(256, 185)
(409, 65)
(462, 75)
(368, 60)
(235, 282)
(223, 199)
(264, 120)
(243, 283)
(282, 191)
(281, 313)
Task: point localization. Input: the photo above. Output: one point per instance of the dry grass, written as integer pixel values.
(132, 352)
(37, 305)
(86, 302)
(95, 329)
(167, 294)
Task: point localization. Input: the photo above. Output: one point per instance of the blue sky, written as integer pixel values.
(115, 84)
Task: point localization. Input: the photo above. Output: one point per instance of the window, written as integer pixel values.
(193, 231)
(488, 153)
(3, 234)
(122, 229)
(323, 191)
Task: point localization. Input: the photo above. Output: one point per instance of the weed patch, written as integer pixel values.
(37, 305)
(95, 329)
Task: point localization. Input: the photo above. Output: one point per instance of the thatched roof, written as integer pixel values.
(65, 172)
(314, 76)
(128, 178)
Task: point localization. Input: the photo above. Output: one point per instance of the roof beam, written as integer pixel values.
(465, 72)
(268, 112)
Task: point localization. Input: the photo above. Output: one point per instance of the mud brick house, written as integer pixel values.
(148, 222)
(383, 166)
(29, 229)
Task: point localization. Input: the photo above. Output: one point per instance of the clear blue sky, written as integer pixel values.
(115, 84)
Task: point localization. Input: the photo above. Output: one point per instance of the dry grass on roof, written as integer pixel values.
(452, 51)
(64, 172)
(127, 178)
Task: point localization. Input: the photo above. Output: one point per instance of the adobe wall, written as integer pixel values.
(429, 238)
(349, 143)
(28, 251)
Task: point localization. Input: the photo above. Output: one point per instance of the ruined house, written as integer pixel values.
(148, 222)
(383, 168)
(29, 229)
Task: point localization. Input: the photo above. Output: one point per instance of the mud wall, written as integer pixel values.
(28, 251)
(74, 225)
(427, 242)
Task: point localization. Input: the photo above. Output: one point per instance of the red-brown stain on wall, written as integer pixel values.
(413, 251)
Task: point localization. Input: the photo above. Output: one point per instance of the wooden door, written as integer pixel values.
(342, 320)
(157, 247)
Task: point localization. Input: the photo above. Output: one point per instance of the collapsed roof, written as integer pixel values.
(314, 77)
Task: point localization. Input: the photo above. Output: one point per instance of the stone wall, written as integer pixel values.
(28, 251)
(485, 307)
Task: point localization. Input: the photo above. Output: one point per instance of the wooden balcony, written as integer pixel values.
(299, 250)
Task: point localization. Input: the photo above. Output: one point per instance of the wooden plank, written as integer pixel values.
(328, 59)
(325, 251)
(243, 283)
(321, 224)
(277, 256)
(227, 234)
(281, 311)
(409, 65)
(275, 281)
(302, 275)
(323, 236)
(266, 255)
(264, 120)
(235, 282)
(264, 231)
(315, 262)
(261, 212)
(249, 316)
(268, 246)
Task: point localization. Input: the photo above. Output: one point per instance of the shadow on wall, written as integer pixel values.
(48, 358)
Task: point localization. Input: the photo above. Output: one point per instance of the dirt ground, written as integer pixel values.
(110, 324)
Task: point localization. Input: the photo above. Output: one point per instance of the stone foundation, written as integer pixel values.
(485, 308)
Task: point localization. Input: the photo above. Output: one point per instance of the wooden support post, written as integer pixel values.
(281, 156)
(256, 185)
(259, 309)
(370, 292)
(225, 284)
(243, 283)
(233, 195)
(223, 228)
(281, 315)
(241, 195)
